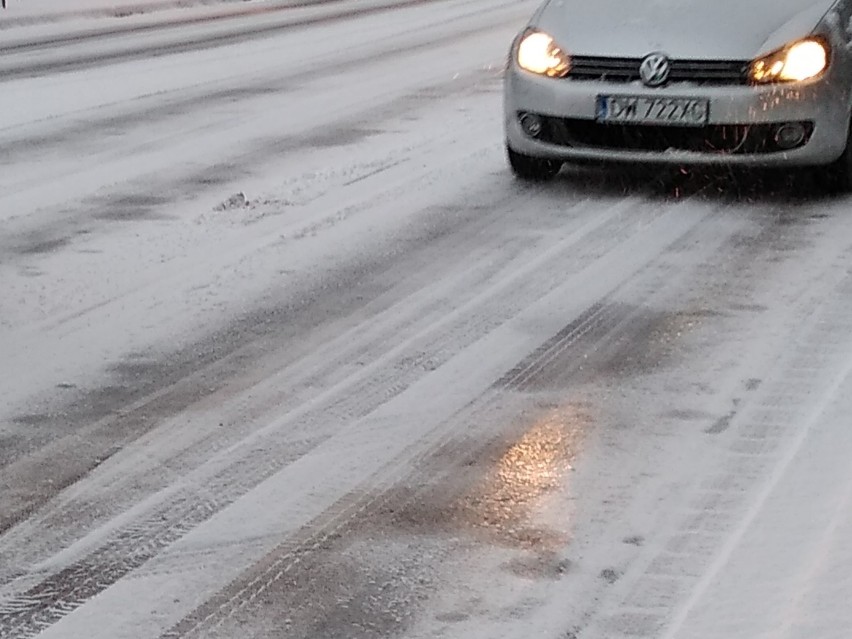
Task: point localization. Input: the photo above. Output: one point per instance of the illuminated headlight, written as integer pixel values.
(797, 62)
(538, 53)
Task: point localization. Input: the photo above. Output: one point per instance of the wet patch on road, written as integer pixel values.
(723, 423)
(687, 415)
(216, 175)
(367, 588)
(32, 419)
(487, 493)
(610, 575)
(128, 207)
(41, 246)
(372, 575)
(608, 341)
(543, 565)
(335, 137)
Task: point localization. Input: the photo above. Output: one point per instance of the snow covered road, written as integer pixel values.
(286, 352)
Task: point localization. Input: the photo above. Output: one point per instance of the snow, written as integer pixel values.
(32, 11)
(333, 303)
(135, 157)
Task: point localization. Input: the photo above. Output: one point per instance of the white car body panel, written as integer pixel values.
(693, 29)
(689, 30)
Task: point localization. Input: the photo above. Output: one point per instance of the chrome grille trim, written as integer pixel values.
(714, 72)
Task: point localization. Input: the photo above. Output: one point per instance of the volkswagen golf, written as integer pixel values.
(764, 83)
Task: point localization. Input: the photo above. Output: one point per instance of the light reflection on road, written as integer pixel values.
(533, 466)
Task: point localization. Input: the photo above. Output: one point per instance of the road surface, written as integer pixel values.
(286, 352)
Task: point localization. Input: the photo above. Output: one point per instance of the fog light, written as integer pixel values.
(789, 136)
(531, 124)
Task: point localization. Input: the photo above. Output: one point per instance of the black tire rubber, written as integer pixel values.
(837, 176)
(532, 169)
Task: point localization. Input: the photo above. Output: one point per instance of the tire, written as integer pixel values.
(837, 176)
(532, 169)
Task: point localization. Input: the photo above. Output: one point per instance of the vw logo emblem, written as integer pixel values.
(655, 69)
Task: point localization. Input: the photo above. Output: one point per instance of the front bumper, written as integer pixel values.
(822, 105)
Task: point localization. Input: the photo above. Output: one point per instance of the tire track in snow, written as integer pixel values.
(90, 35)
(459, 438)
(183, 44)
(770, 435)
(250, 87)
(153, 392)
(670, 575)
(54, 235)
(256, 462)
(60, 229)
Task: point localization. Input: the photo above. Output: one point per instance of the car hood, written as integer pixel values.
(693, 29)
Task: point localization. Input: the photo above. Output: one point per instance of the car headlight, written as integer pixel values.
(538, 53)
(799, 61)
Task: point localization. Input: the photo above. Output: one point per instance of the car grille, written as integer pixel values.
(706, 72)
(721, 138)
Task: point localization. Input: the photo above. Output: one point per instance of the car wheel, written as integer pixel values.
(532, 169)
(838, 175)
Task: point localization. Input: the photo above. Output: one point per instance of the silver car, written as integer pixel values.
(739, 82)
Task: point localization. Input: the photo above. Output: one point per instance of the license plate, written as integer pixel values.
(627, 109)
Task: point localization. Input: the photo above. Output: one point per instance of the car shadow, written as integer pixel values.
(722, 184)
